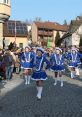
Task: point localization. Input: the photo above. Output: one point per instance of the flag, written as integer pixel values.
(48, 43)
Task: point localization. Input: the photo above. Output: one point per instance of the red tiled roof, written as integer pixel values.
(52, 26)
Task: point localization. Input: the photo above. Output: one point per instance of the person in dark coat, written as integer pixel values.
(8, 61)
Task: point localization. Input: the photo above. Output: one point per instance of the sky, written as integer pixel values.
(48, 10)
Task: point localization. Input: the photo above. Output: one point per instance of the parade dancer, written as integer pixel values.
(74, 61)
(39, 75)
(27, 63)
(57, 65)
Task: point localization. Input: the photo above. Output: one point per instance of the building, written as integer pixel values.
(15, 31)
(72, 37)
(5, 11)
(11, 31)
(42, 30)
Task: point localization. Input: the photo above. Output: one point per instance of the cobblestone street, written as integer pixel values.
(18, 100)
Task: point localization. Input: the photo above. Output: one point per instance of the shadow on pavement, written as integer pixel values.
(2, 85)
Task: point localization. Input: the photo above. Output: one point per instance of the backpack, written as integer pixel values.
(8, 60)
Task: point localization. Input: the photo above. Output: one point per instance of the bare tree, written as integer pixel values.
(28, 22)
(65, 22)
(38, 19)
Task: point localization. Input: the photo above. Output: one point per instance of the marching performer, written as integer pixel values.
(39, 75)
(57, 65)
(27, 64)
(74, 61)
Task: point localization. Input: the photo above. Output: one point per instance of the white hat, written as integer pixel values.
(57, 48)
(40, 49)
(28, 47)
(74, 49)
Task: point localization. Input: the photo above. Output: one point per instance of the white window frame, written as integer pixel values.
(1, 1)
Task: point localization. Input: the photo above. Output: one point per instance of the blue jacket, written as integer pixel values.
(56, 60)
(74, 57)
(27, 56)
(39, 63)
(27, 60)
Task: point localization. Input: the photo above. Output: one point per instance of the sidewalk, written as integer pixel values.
(7, 86)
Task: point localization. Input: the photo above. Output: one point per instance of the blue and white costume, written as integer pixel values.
(28, 60)
(74, 60)
(39, 73)
(57, 62)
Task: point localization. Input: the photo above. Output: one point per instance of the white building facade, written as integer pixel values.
(72, 39)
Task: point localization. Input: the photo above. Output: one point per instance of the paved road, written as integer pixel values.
(18, 100)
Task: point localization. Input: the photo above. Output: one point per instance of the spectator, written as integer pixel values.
(14, 60)
(17, 64)
(2, 67)
(8, 61)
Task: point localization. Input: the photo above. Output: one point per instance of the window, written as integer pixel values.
(21, 45)
(1, 1)
(20, 28)
(6, 1)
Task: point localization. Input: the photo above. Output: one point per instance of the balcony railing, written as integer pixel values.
(44, 33)
(44, 39)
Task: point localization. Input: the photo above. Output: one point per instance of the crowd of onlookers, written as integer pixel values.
(10, 61)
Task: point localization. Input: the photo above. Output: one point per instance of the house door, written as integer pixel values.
(20, 45)
(43, 43)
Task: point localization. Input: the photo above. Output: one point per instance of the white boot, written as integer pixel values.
(61, 79)
(29, 77)
(26, 80)
(72, 74)
(55, 82)
(39, 92)
(77, 71)
(61, 83)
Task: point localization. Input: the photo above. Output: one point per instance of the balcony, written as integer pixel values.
(45, 33)
(40, 38)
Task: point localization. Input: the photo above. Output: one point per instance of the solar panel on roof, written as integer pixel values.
(11, 31)
(20, 28)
